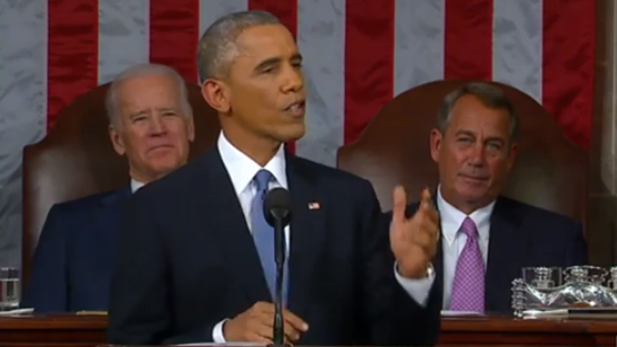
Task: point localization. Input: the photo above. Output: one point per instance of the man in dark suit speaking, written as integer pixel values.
(486, 239)
(196, 261)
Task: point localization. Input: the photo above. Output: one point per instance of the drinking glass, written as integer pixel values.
(542, 277)
(9, 288)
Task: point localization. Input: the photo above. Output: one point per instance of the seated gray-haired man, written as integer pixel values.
(486, 238)
(151, 123)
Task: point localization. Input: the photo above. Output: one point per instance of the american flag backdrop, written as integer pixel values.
(359, 54)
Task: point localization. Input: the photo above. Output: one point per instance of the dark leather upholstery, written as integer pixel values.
(77, 159)
(550, 172)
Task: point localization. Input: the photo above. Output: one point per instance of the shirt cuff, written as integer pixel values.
(217, 332)
(418, 289)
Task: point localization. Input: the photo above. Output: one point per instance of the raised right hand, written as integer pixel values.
(256, 325)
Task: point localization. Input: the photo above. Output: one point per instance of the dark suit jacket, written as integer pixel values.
(521, 235)
(74, 258)
(187, 260)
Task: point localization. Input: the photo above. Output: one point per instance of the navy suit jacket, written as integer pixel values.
(521, 235)
(186, 261)
(74, 258)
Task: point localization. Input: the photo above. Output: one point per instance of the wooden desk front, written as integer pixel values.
(53, 331)
(89, 331)
(506, 331)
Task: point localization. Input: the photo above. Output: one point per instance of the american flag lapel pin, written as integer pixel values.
(314, 206)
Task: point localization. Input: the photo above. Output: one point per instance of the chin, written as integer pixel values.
(471, 194)
(165, 167)
(292, 135)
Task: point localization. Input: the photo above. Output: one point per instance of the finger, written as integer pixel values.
(427, 211)
(425, 197)
(295, 321)
(257, 338)
(262, 307)
(262, 327)
(291, 332)
(433, 215)
(400, 204)
(428, 226)
(265, 325)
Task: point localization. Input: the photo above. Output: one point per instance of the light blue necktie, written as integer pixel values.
(263, 235)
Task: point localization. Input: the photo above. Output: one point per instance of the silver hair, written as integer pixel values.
(217, 45)
(490, 95)
(142, 70)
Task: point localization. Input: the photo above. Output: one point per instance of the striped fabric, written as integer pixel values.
(358, 55)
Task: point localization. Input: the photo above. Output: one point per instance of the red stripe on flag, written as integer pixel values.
(469, 39)
(72, 56)
(285, 10)
(369, 62)
(287, 13)
(174, 33)
(567, 65)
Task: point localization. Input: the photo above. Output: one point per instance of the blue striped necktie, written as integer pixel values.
(263, 234)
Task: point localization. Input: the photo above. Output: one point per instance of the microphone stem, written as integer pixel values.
(278, 333)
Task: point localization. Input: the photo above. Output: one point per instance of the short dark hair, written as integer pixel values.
(218, 42)
(490, 95)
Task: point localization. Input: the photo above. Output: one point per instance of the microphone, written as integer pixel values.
(277, 212)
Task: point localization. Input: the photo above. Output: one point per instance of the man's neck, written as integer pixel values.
(260, 149)
(466, 207)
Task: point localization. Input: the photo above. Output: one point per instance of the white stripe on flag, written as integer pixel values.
(517, 45)
(23, 105)
(124, 28)
(418, 43)
(321, 40)
(211, 10)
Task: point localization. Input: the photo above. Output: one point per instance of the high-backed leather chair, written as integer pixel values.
(550, 171)
(77, 159)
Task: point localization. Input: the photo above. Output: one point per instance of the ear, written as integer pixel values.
(435, 143)
(216, 95)
(116, 141)
(512, 155)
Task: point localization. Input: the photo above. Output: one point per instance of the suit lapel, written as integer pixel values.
(507, 246)
(438, 264)
(308, 229)
(221, 214)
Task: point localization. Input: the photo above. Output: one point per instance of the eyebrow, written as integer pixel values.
(465, 132)
(275, 61)
(138, 113)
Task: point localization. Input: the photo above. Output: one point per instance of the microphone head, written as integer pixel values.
(277, 206)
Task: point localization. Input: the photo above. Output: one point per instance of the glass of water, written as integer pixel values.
(542, 277)
(9, 288)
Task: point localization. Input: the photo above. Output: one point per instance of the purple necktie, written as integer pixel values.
(468, 286)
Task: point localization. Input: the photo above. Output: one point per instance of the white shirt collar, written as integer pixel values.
(242, 169)
(135, 185)
(452, 218)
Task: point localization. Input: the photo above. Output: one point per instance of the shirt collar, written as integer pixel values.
(452, 218)
(242, 169)
(135, 185)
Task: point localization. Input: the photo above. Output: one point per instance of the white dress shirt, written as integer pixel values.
(241, 170)
(135, 185)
